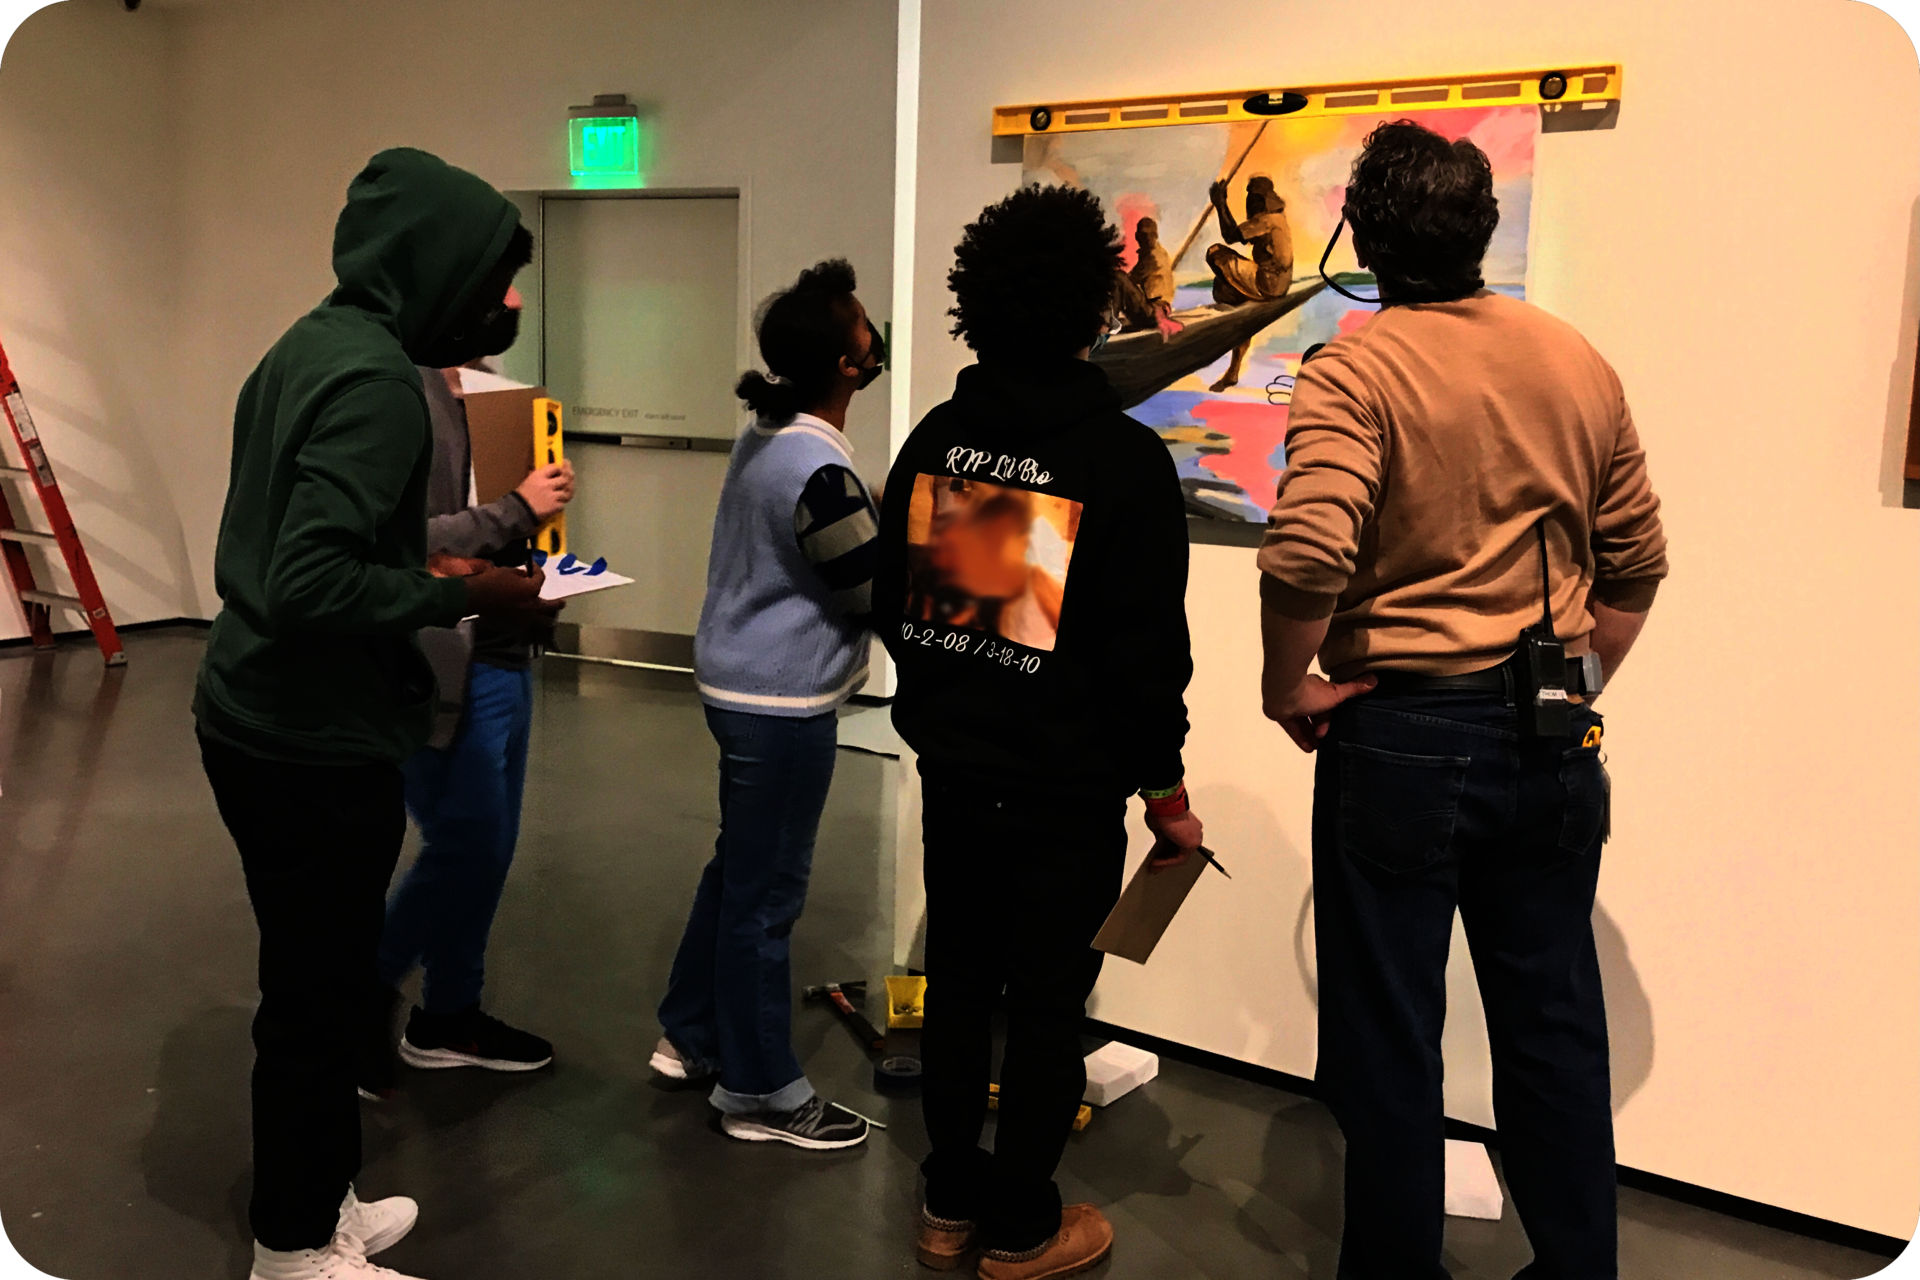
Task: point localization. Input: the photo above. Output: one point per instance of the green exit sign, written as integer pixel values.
(604, 146)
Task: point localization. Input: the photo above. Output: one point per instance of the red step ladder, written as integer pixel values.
(37, 475)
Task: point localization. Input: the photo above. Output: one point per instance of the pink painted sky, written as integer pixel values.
(1257, 430)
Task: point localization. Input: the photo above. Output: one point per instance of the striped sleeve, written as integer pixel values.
(837, 529)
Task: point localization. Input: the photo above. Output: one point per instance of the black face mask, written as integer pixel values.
(488, 334)
(877, 352)
(498, 331)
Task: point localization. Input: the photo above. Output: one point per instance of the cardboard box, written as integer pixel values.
(500, 425)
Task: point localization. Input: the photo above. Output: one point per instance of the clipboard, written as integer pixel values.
(1147, 906)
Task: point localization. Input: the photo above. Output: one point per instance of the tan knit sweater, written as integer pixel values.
(1421, 450)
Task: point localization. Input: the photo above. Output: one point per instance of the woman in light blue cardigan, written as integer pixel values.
(782, 643)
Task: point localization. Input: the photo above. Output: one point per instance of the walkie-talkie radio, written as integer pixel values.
(1544, 710)
(1540, 668)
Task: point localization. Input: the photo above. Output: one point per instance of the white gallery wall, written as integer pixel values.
(1743, 248)
(281, 103)
(89, 253)
(173, 177)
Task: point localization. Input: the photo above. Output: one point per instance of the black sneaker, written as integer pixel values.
(470, 1038)
(815, 1124)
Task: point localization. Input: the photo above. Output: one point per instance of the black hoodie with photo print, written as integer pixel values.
(1058, 655)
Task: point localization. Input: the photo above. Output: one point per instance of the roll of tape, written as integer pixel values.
(896, 1074)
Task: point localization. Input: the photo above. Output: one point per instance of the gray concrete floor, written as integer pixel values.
(126, 985)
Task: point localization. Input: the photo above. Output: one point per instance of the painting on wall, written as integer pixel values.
(1223, 226)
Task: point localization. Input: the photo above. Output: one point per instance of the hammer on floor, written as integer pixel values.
(837, 993)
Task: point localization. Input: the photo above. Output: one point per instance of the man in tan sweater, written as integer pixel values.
(1458, 468)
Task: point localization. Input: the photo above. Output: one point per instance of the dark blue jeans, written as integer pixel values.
(729, 1000)
(466, 801)
(1424, 804)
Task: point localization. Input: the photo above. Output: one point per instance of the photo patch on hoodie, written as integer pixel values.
(987, 558)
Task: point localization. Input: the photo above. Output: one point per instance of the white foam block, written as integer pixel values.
(1115, 1070)
(1472, 1190)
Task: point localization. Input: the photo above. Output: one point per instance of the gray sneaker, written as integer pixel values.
(815, 1124)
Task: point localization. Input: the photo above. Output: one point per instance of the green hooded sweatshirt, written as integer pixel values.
(321, 563)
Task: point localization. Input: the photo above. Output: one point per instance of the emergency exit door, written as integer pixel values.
(640, 340)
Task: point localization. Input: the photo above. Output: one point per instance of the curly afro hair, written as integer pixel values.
(1423, 211)
(803, 332)
(1034, 274)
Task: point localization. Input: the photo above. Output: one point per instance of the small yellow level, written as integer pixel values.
(548, 448)
(1583, 84)
(1081, 1118)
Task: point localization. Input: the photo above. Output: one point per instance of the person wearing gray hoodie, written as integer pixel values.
(464, 787)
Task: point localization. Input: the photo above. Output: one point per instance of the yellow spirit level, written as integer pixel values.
(548, 448)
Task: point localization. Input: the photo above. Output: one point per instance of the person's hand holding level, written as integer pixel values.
(547, 490)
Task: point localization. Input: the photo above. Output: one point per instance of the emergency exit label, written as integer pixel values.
(604, 146)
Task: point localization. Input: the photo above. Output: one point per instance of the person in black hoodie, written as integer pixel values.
(1031, 587)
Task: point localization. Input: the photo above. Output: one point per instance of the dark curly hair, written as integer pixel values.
(803, 333)
(1033, 275)
(1422, 211)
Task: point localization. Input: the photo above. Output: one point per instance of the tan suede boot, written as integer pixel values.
(944, 1243)
(1084, 1238)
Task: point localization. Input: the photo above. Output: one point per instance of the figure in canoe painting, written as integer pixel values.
(1211, 316)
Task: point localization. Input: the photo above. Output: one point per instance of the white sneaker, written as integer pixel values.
(340, 1260)
(377, 1226)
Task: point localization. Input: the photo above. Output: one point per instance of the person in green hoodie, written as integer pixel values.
(314, 688)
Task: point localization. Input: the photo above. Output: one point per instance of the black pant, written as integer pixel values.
(318, 845)
(1424, 803)
(1017, 885)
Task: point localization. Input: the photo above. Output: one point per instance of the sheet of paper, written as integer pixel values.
(559, 586)
(1146, 907)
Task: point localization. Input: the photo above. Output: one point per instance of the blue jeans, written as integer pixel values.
(466, 800)
(729, 1001)
(1425, 803)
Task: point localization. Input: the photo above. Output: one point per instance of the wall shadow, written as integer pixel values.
(1142, 1156)
(1303, 947)
(1630, 1030)
(1302, 1201)
(1629, 1012)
